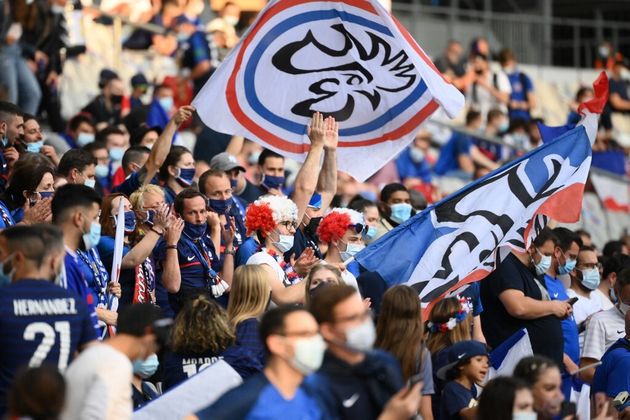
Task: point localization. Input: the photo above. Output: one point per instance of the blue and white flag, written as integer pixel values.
(456, 241)
(350, 59)
(506, 356)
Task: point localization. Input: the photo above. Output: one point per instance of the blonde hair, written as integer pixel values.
(249, 295)
(137, 197)
(317, 268)
(443, 311)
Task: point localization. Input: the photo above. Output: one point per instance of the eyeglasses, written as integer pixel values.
(359, 228)
(590, 265)
(289, 224)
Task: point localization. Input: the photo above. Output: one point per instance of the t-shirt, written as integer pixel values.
(619, 87)
(408, 168)
(602, 331)
(545, 332)
(248, 248)
(263, 257)
(257, 398)
(569, 326)
(612, 375)
(482, 100)
(39, 323)
(603, 299)
(248, 337)
(459, 144)
(521, 85)
(455, 398)
(98, 385)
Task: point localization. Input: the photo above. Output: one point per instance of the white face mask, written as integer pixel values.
(285, 243)
(309, 354)
(623, 308)
(361, 338)
(524, 415)
(351, 251)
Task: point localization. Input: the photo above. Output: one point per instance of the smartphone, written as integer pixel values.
(572, 300)
(414, 380)
(568, 409)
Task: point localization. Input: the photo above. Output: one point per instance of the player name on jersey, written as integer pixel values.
(34, 307)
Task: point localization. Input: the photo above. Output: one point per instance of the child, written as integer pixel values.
(467, 366)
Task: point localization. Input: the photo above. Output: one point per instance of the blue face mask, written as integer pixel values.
(46, 194)
(146, 368)
(116, 153)
(272, 182)
(220, 206)
(102, 171)
(194, 231)
(93, 236)
(130, 221)
(150, 217)
(371, 232)
(401, 212)
(186, 176)
(166, 103)
(34, 147)
(567, 267)
(233, 183)
(590, 278)
(5, 141)
(85, 139)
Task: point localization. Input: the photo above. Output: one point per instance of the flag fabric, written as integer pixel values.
(117, 259)
(457, 240)
(350, 59)
(613, 191)
(506, 356)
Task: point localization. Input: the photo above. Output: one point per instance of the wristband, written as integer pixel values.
(229, 252)
(171, 246)
(154, 230)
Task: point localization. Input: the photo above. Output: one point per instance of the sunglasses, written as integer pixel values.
(359, 228)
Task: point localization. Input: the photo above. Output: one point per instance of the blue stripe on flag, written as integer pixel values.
(497, 356)
(548, 134)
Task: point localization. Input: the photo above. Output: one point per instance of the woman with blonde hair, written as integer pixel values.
(249, 298)
(201, 336)
(400, 332)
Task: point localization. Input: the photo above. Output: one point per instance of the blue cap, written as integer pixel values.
(139, 80)
(316, 201)
(459, 353)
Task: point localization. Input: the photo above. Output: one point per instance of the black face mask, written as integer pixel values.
(116, 99)
(312, 225)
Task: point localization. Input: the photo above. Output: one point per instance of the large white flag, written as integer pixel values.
(349, 59)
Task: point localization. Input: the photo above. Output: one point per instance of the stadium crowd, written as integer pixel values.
(232, 252)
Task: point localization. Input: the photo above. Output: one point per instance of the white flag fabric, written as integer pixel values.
(194, 394)
(118, 254)
(613, 192)
(350, 59)
(506, 356)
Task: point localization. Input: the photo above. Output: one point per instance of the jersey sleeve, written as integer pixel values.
(88, 332)
(594, 339)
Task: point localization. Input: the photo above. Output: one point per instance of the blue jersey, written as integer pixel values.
(612, 376)
(39, 323)
(132, 183)
(6, 219)
(521, 85)
(459, 144)
(569, 327)
(74, 281)
(408, 168)
(95, 274)
(248, 248)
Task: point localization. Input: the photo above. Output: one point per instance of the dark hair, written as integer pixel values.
(8, 111)
(612, 248)
(27, 117)
(545, 235)
(566, 237)
(623, 279)
(272, 322)
(615, 264)
(204, 177)
(360, 204)
(135, 319)
(78, 159)
(455, 372)
(497, 399)
(79, 119)
(530, 368)
(70, 196)
(186, 194)
(25, 177)
(95, 145)
(108, 223)
(172, 159)
(134, 154)
(37, 393)
(581, 92)
(582, 232)
(102, 135)
(472, 115)
(494, 113)
(389, 189)
(506, 55)
(516, 123)
(324, 302)
(266, 153)
(36, 242)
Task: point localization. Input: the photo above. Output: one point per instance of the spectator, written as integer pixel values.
(584, 94)
(162, 108)
(37, 393)
(467, 366)
(413, 166)
(452, 65)
(249, 299)
(505, 398)
(585, 236)
(230, 13)
(619, 98)
(36, 254)
(513, 298)
(271, 167)
(605, 290)
(342, 231)
(522, 98)
(369, 210)
(29, 192)
(497, 124)
(142, 390)
(489, 89)
(606, 56)
(201, 336)
(605, 327)
(106, 108)
(294, 349)
(394, 208)
(78, 167)
(318, 277)
(33, 139)
(399, 331)
(139, 88)
(80, 131)
(245, 191)
(99, 152)
(177, 172)
(543, 377)
(222, 37)
(145, 136)
(12, 128)
(99, 380)
(355, 381)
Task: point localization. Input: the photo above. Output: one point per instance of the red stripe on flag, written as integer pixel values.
(476, 275)
(611, 204)
(565, 205)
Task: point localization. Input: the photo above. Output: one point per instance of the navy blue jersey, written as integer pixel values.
(6, 220)
(39, 323)
(74, 281)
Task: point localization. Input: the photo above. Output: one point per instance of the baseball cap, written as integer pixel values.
(139, 80)
(225, 162)
(105, 76)
(138, 134)
(459, 353)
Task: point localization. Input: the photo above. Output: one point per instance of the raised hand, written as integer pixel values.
(229, 233)
(162, 217)
(174, 232)
(305, 262)
(39, 213)
(183, 114)
(317, 130)
(331, 134)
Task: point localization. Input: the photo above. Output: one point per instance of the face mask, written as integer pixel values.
(6, 278)
(130, 221)
(351, 251)
(309, 354)
(185, 176)
(401, 212)
(231, 20)
(194, 231)
(543, 266)
(85, 138)
(34, 147)
(116, 99)
(361, 338)
(57, 9)
(313, 224)
(623, 308)
(220, 206)
(285, 243)
(613, 295)
(567, 267)
(590, 278)
(505, 124)
(272, 182)
(371, 232)
(102, 171)
(166, 103)
(604, 51)
(90, 182)
(146, 368)
(625, 74)
(416, 154)
(525, 415)
(45, 194)
(116, 153)
(150, 217)
(93, 236)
